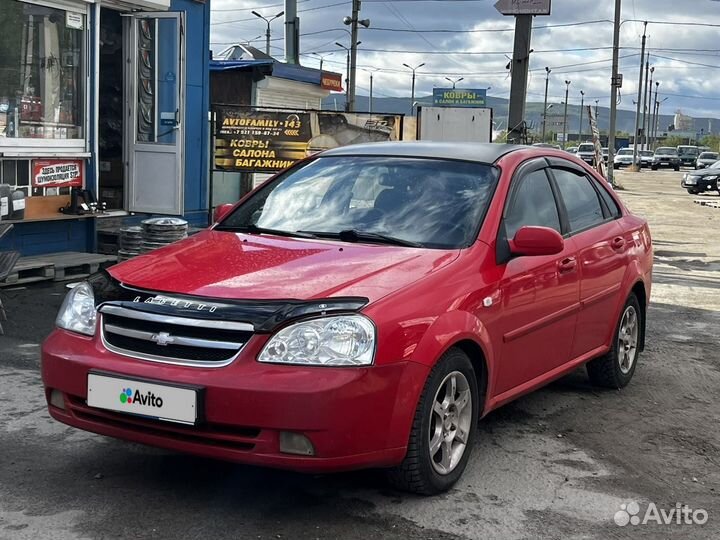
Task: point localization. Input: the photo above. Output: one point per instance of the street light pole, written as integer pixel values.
(648, 106)
(353, 21)
(412, 98)
(639, 98)
(653, 129)
(454, 81)
(267, 32)
(582, 106)
(567, 93)
(547, 80)
(614, 85)
(597, 116)
(321, 57)
(347, 74)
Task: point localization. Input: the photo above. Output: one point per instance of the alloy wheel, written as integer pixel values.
(450, 422)
(628, 340)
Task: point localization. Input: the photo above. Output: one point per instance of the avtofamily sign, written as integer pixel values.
(451, 97)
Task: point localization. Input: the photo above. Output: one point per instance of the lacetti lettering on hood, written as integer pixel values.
(128, 397)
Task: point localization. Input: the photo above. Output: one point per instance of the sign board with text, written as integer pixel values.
(452, 97)
(57, 173)
(523, 7)
(331, 81)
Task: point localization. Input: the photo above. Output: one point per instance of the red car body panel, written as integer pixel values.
(531, 319)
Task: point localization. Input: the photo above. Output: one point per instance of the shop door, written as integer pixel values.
(156, 110)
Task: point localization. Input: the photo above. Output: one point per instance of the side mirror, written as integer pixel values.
(222, 211)
(536, 241)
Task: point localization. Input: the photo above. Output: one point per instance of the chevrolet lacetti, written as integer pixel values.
(362, 309)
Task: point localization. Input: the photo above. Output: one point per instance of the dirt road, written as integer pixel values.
(555, 464)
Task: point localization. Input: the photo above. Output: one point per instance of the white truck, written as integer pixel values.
(455, 124)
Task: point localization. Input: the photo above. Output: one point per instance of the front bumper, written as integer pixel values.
(354, 417)
(665, 163)
(701, 184)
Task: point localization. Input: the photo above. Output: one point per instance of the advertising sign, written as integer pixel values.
(57, 173)
(270, 140)
(523, 7)
(331, 81)
(451, 97)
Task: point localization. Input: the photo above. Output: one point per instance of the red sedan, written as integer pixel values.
(361, 309)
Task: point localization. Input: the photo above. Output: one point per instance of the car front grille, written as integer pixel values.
(179, 340)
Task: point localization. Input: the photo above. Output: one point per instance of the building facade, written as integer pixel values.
(102, 104)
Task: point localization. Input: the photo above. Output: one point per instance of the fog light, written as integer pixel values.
(57, 399)
(295, 443)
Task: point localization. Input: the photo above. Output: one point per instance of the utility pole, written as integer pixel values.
(519, 75)
(353, 21)
(267, 32)
(454, 81)
(653, 130)
(648, 106)
(547, 81)
(567, 93)
(292, 33)
(582, 106)
(639, 98)
(645, 101)
(597, 115)
(412, 98)
(347, 75)
(615, 83)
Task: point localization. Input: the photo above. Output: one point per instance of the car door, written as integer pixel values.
(601, 252)
(540, 295)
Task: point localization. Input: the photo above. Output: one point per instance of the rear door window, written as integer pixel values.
(582, 203)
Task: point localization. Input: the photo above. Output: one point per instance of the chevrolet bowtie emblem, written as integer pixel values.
(163, 339)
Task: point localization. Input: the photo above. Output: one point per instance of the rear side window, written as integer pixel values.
(608, 200)
(581, 200)
(533, 204)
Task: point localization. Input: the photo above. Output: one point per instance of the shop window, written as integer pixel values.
(41, 72)
(16, 174)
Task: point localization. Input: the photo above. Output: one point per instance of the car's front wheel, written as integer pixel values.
(692, 191)
(616, 368)
(443, 429)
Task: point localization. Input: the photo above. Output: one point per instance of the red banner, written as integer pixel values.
(57, 173)
(331, 81)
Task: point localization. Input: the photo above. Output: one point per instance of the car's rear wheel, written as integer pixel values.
(443, 429)
(616, 368)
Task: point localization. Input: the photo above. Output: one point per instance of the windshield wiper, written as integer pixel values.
(254, 229)
(353, 235)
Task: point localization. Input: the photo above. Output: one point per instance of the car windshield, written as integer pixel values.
(586, 148)
(625, 152)
(431, 203)
(646, 153)
(708, 155)
(687, 150)
(666, 152)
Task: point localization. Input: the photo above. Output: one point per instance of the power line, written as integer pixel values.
(256, 7)
(484, 30)
(299, 11)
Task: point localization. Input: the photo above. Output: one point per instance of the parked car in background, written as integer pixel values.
(623, 158)
(363, 308)
(586, 152)
(571, 149)
(703, 180)
(646, 157)
(547, 145)
(665, 156)
(688, 155)
(605, 154)
(705, 159)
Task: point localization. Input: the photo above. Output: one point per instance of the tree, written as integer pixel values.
(712, 142)
(673, 141)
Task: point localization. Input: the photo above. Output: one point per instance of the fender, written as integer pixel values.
(633, 275)
(447, 330)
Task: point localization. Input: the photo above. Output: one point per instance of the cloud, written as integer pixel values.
(686, 57)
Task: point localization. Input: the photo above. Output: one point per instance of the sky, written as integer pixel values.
(575, 42)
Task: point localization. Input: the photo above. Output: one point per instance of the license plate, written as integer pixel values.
(139, 397)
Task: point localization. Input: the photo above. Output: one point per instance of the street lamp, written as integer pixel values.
(372, 72)
(412, 99)
(267, 32)
(321, 57)
(454, 81)
(547, 80)
(582, 106)
(353, 22)
(347, 73)
(567, 92)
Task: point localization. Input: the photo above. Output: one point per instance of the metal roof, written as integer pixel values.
(479, 152)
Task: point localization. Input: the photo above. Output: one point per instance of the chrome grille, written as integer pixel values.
(170, 339)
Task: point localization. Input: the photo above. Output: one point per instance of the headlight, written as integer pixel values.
(343, 340)
(711, 178)
(78, 313)
(691, 180)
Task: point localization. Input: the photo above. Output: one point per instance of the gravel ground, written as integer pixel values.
(555, 464)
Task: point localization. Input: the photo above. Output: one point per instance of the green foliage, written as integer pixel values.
(673, 141)
(712, 142)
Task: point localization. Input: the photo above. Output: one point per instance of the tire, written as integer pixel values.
(616, 368)
(654, 168)
(692, 191)
(616, 166)
(421, 471)
(677, 169)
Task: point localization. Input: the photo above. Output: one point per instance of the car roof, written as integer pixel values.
(478, 152)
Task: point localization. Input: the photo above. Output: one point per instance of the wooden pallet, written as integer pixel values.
(56, 267)
(708, 202)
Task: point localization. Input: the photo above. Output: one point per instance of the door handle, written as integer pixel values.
(618, 242)
(567, 265)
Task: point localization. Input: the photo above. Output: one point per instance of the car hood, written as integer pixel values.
(705, 172)
(240, 266)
